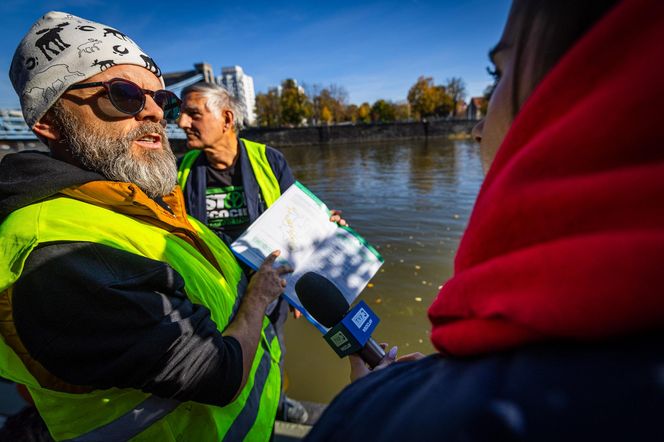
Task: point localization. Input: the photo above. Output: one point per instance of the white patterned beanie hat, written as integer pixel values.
(60, 50)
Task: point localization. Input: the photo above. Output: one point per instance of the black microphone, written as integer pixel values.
(325, 302)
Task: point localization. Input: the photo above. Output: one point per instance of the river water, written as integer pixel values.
(411, 200)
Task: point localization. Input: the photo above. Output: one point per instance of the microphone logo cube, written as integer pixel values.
(339, 339)
(354, 330)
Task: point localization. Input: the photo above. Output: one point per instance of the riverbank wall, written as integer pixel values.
(354, 133)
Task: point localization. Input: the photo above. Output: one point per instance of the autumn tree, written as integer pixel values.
(444, 104)
(425, 98)
(295, 105)
(333, 99)
(351, 113)
(268, 108)
(325, 115)
(364, 113)
(402, 111)
(455, 88)
(339, 96)
(312, 91)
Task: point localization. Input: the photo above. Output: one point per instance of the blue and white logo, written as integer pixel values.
(360, 317)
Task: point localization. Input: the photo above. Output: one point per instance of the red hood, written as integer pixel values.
(566, 239)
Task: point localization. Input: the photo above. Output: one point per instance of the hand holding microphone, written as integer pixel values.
(325, 302)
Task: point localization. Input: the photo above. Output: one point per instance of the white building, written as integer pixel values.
(241, 86)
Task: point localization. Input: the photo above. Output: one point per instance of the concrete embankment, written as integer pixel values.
(299, 136)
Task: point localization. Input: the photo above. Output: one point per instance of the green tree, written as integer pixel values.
(295, 105)
(268, 108)
(383, 111)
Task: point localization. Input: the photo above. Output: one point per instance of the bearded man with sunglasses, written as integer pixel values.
(122, 316)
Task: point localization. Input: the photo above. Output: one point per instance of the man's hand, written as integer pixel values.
(267, 284)
(335, 217)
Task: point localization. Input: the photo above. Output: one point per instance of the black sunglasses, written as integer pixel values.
(129, 98)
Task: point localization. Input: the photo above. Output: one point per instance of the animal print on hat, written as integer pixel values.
(61, 49)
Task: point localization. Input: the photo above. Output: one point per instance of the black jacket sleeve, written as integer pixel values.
(101, 317)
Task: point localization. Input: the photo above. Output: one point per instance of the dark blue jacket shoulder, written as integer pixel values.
(611, 391)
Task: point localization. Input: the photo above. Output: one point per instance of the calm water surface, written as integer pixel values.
(411, 200)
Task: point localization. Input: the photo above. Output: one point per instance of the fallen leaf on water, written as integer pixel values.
(370, 285)
(378, 301)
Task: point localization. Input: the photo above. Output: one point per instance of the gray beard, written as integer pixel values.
(153, 171)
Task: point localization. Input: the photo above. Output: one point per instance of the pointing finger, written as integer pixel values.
(271, 258)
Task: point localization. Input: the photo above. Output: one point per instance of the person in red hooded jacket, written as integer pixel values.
(552, 326)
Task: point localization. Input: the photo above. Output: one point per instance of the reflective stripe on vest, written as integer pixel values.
(184, 170)
(267, 182)
(133, 422)
(128, 413)
(262, 171)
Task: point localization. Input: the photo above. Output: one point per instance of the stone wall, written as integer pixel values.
(364, 132)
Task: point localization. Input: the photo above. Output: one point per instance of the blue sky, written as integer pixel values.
(373, 49)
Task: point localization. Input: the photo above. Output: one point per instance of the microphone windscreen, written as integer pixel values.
(321, 298)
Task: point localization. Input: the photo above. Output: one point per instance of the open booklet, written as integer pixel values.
(298, 224)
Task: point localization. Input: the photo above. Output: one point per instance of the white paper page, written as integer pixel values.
(295, 224)
(298, 224)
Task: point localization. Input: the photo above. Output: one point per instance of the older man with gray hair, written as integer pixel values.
(232, 183)
(122, 316)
